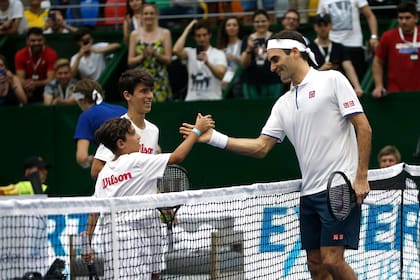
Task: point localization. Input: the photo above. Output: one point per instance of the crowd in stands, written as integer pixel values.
(236, 67)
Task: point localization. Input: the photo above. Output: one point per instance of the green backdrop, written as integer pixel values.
(48, 131)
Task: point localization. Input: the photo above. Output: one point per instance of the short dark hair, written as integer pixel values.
(407, 7)
(201, 24)
(34, 31)
(112, 130)
(82, 31)
(293, 35)
(132, 77)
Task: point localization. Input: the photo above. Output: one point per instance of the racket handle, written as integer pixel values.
(92, 271)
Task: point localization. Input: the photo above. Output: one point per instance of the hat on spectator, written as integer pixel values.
(36, 161)
(323, 18)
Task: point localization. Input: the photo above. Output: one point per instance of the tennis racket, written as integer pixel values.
(341, 197)
(86, 249)
(175, 179)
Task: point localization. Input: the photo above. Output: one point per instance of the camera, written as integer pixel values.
(52, 15)
(200, 48)
(85, 42)
(259, 42)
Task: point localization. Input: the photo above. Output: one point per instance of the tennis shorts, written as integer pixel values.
(318, 228)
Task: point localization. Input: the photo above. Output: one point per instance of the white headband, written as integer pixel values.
(288, 44)
(96, 96)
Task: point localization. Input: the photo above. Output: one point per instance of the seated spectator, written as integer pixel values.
(36, 15)
(90, 61)
(229, 40)
(59, 90)
(90, 98)
(398, 51)
(34, 65)
(11, 90)
(12, 19)
(150, 49)
(132, 20)
(388, 156)
(291, 22)
(258, 80)
(56, 24)
(35, 176)
(331, 55)
(206, 65)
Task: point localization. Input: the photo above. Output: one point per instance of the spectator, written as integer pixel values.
(90, 61)
(132, 20)
(206, 65)
(59, 90)
(12, 20)
(11, 90)
(34, 167)
(331, 55)
(347, 30)
(249, 6)
(150, 48)
(89, 96)
(258, 80)
(36, 15)
(56, 24)
(301, 6)
(291, 21)
(397, 50)
(34, 65)
(229, 40)
(388, 156)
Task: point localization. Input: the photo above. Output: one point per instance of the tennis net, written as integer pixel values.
(240, 232)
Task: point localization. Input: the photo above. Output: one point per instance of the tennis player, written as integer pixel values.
(135, 86)
(134, 173)
(324, 120)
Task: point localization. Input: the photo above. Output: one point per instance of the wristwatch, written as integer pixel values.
(373, 36)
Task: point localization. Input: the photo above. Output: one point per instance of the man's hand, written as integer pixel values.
(361, 187)
(186, 129)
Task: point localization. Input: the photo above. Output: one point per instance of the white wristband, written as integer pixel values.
(218, 140)
(196, 131)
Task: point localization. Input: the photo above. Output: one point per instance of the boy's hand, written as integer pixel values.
(204, 123)
(186, 129)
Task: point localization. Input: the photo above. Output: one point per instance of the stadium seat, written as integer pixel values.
(89, 10)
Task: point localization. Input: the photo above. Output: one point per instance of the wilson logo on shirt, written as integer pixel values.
(311, 94)
(145, 150)
(348, 104)
(112, 180)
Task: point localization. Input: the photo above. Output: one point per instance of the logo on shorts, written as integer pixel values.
(338, 236)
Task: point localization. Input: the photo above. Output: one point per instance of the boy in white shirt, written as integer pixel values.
(134, 173)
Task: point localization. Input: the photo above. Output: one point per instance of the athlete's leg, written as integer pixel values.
(317, 270)
(333, 261)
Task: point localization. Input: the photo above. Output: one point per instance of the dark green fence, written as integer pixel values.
(48, 131)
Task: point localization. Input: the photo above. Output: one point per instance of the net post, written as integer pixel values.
(72, 257)
(214, 257)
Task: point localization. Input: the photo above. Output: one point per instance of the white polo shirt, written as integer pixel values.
(313, 116)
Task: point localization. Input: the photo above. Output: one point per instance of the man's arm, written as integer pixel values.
(178, 48)
(364, 136)
(96, 167)
(82, 154)
(377, 73)
(218, 70)
(373, 26)
(352, 76)
(253, 147)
